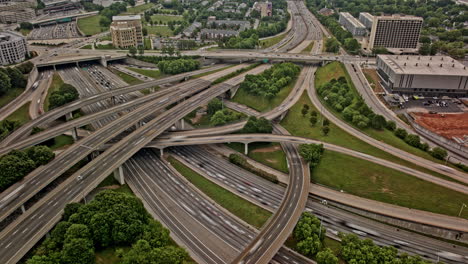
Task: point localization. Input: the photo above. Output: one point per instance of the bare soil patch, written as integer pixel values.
(446, 125)
(268, 149)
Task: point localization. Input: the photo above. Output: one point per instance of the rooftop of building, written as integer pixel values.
(126, 18)
(424, 65)
(9, 36)
(399, 17)
(17, 11)
(352, 20)
(367, 15)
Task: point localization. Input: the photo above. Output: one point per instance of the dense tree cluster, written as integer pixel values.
(17, 164)
(309, 234)
(257, 125)
(232, 74)
(11, 77)
(25, 67)
(341, 35)
(111, 219)
(157, 59)
(110, 11)
(355, 250)
(224, 116)
(214, 106)
(178, 66)
(65, 94)
(247, 39)
(312, 153)
(7, 126)
(268, 83)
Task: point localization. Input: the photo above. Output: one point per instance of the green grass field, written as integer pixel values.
(10, 96)
(21, 114)
(90, 25)
(138, 9)
(61, 141)
(272, 41)
(162, 31)
(243, 209)
(54, 86)
(335, 70)
(211, 72)
(165, 18)
(262, 104)
(127, 78)
(274, 157)
(25, 32)
(308, 48)
(156, 74)
(366, 179)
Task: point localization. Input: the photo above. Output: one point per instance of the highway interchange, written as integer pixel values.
(145, 172)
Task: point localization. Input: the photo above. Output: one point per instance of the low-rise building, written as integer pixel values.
(426, 75)
(188, 32)
(241, 24)
(217, 33)
(326, 11)
(265, 8)
(126, 31)
(396, 33)
(366, 19)
(13, 48)
(17, 16)
(352, 24)
(17, 5)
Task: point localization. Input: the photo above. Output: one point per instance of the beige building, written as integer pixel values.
(427, 75)
(126, 31)
(16, 5)
(13, 48)
(396, 33)
(17, 16)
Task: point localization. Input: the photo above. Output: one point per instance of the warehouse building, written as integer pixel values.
(126, 31)
(397, 33)
(13, 48)
(426, 75)
(352, 24)
(366, 19)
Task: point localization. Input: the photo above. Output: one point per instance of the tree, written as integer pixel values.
(313, 120)
(332, 45)
(439, 153)
(325, 130)
(76, 231)
(309, 233)
(213, 106)
(313, 113)
(104, 21)
(5, 83)
(145, 31)
(132, 51)
(378, 122)
(391, 125)
(16, 77)
(41, 155)
(25, 67)
(311, 153)
(425, 49)
(401, 133)
(413, 140)
(352, 45)
(26, 25)
(78, 251)
(141, 50)
(326, 122)
(304, 111)
(326, 257)
(257, 125)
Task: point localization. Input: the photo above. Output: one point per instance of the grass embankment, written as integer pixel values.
(126, 78)
(243, 209)
(162, 31)
(211, 72)
(334, 245)
(269, 154)
(260, 103)
(54, 86)
(334, 70)
(156, 74)
(308, 48)
(10, 95)
(138, 9)
(90, 25)
(21, 114)
(61, 141)
(272, 41)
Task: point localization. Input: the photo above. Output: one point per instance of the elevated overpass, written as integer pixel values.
(77, 58)
(59, 18)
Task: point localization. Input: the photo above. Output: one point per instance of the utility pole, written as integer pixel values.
(461, 209)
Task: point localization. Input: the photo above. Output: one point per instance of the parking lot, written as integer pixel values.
(433, 105)
(57, 31)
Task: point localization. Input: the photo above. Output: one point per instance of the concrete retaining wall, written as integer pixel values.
(136, 62)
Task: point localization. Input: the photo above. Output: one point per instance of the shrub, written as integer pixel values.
(438, 153)
(391, 125)
(413, 140)
(401, 133)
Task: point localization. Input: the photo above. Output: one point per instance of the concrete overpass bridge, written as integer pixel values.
(76, 59)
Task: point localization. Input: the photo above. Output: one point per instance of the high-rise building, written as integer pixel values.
(366, 19)
(352, 24)
(126, 31)
(427, 75)
(17, 16)
(395, 32)
(13, 48)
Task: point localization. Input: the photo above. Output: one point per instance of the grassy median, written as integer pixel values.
(155, 74)
(243, 209)
(21, 114)
(54, 86)
(10, 95)
(269, 154)
(127, 78)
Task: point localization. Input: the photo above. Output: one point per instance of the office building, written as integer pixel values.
(17, 16)
(366, 19)
(126, 31)
(426, 75)
(400, 33)
(13, 48)
(17, 5)
(352, 24)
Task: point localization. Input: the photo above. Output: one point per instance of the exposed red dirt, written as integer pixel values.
(447, 125)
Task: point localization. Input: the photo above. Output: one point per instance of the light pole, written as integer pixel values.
(321, 109)
(461, 209)
(324, 202)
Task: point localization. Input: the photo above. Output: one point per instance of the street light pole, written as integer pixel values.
(461, 209)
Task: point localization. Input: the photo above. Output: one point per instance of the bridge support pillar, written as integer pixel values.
(54, 67)
(246, 148)
(182, 124)
(23, 209)
(119, 175)
(75, 134)
(103, 61)
(161, 152)
(69, 116)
